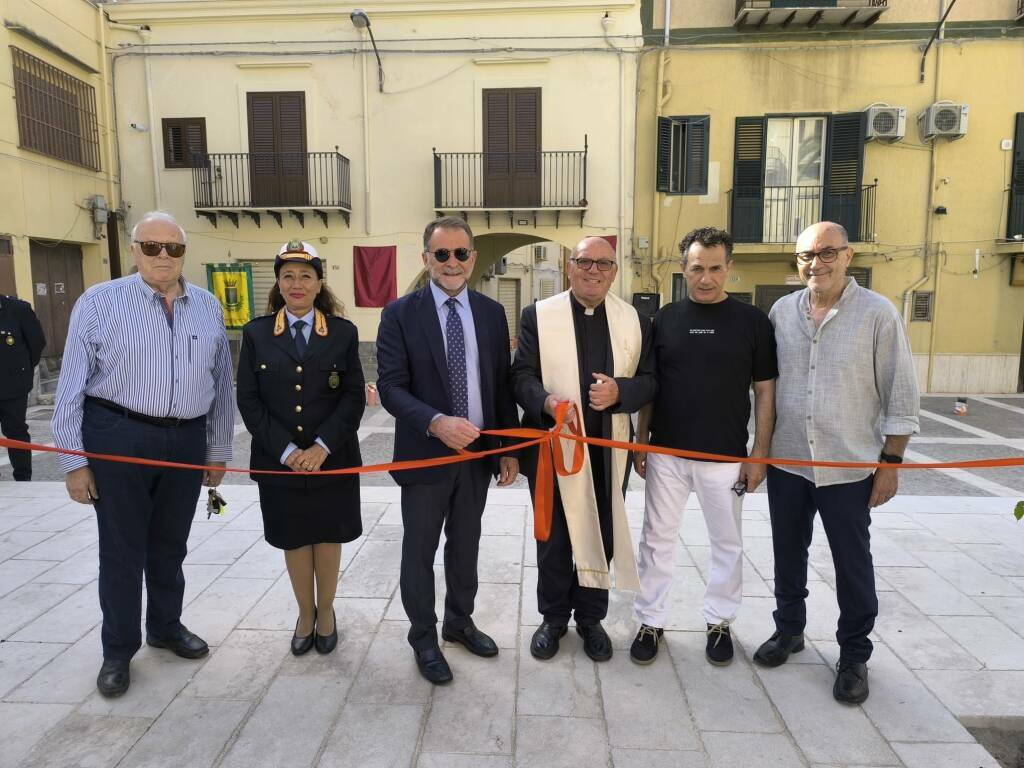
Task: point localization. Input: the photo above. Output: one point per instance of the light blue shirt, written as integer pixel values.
(476, 409)
(306, 330)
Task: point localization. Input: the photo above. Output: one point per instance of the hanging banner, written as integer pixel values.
(232, 285)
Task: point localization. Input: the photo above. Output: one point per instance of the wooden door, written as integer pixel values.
(512, 162)
(277, 149)
(766, 295)
(56, 285)
(7, 286)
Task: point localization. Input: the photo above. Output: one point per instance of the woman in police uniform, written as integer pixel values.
(300, 393)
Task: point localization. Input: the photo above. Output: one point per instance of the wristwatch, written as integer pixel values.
(890, 458)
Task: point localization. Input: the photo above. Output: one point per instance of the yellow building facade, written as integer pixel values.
(59, 193)
(259, 122)
(772, 115)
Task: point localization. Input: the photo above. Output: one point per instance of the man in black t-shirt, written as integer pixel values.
(708, 348)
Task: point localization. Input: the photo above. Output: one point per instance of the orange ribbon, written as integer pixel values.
(550, 460)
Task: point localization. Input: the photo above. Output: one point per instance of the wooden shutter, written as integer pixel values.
(277, 148)
(184, 141)
(844, 171)
(1015, 214)
(7, 286)
(921, 308)
(512, 147)
(861, 274)
(664, 160)
(697, 133)
(748, 180)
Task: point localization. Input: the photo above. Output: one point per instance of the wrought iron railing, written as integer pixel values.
(779, 214)
(239, 180)
(750, 5)
(470, 180)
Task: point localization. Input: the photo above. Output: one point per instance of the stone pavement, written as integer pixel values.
(948, 652)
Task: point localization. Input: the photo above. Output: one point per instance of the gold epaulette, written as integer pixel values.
(320, 323)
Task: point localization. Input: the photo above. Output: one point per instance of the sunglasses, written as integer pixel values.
(602, 264)
(442, 254)
(825, 255)
(153, 248)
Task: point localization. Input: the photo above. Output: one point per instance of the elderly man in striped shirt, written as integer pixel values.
(846, 392)
(146, 373)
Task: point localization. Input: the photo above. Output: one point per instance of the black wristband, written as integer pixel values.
(890, 458)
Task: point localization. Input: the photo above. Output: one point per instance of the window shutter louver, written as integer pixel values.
(1015, 213)
(844, 171)
(921, 310)
(748, 180)
(664, 161)
(697, 132)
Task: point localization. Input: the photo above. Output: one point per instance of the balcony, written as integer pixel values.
(754, 15)
(780, 214)
(516, 183)
(1020, 11)
(297, 183)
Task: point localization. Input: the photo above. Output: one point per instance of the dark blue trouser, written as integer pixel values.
(846, 518)
(144, 516)
(13, 427)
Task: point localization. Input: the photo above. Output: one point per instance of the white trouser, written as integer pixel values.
(669, 482)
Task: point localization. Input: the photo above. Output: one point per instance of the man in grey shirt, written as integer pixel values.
(846, 392)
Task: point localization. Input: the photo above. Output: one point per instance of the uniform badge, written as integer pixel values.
(10, 341)
(334, 380)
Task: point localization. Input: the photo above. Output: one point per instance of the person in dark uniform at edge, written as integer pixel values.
(589, 347)
(300, 394)
(21, 345)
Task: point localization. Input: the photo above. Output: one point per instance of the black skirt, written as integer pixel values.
(324, 514)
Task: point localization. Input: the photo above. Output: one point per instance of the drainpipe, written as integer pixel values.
(108, 143)
(606, 25)
(154, 149)
(667, 22)
(366, 151)
(931, 199)
(661, 98)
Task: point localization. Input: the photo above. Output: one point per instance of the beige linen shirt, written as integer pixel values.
(842, 386)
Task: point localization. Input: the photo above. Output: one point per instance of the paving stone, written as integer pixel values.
(374, 736)
(224, 547)
(374, 571)
(28, 602)
(987, 639)
(960, 528)
(885, 552)
(649, 758)
(529, 616)
(968, 575)
(80, 568)
(559, 742)
(60, 546)
(645, 711)
(198, 578)
(496, 612)
(64, 516)
(920, 541)
(997, 558)
(916, 639)
(11, 522)
(19, 661)
(69, 678)
(931, 593)
(276, 610)
(87, 741)
(22, 725)
(755, 624)
(564, 686)
(260, 561)
(208, 724)
(67, 621)
(15, 542)
(501, 559)
(721, 698)
(825, 730)
(14, 573)
(389, 674)
(900, 705)
(504, 520)
(481, 700)
(977, 694)
(944, 756)
(222, 605)
(249, 519)
(440, 760)
(157, 677)
(1009, 610)
(288, 725)
(242, 666)
(772, 750)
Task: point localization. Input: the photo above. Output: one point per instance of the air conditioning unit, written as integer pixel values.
(943, 119)
(539, 253)
(886, 123)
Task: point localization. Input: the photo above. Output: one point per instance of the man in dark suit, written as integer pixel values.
(21, 345)
(443, 373)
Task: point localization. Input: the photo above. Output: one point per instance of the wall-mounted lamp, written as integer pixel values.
(940, 210)
(360, 20)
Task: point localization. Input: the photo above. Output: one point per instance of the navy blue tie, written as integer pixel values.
(300, 337)
(456, 341)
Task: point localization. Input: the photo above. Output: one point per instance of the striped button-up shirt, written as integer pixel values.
(124, 347)
(844, 385)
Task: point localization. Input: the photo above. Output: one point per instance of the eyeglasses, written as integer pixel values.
(442, 254)
(153, 248)
(825, 255)
(602, 264)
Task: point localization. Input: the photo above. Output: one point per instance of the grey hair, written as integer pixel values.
(446, 222)
(159, 216)
(829, 226)
(582, 244)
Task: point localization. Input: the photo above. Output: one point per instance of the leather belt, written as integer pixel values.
(156, 421)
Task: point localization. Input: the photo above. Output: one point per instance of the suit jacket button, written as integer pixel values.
(298, 369)
(263, 366)
(299, 428)
(298, 387)
(298, 409)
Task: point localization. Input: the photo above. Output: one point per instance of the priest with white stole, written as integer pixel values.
(590, 348)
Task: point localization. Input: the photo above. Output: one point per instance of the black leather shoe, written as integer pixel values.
(544, 644)
(596, 643)
(851, 686)
(776, 649)
(433, 666)
(186, 644)
(475, 641)
(327, 643)
(301, 645)
(114, 678)
(719, 646)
